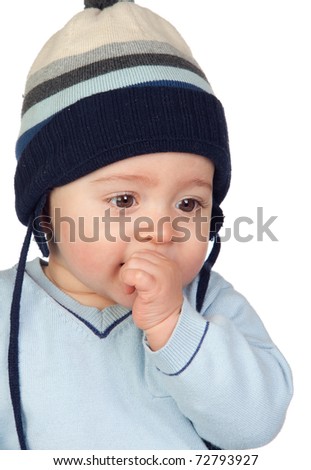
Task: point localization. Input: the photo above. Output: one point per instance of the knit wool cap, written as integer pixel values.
(117, 81)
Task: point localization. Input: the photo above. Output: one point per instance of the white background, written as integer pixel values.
(256, 55)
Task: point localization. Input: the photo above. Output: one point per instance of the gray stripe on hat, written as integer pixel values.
(107, 51)
(100, 68)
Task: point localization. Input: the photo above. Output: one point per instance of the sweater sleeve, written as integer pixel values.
(224, 372)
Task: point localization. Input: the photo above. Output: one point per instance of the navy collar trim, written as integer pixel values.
(101, 334)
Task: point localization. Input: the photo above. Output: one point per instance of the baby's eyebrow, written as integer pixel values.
(148, 181)
(141, 178)
(197, 182)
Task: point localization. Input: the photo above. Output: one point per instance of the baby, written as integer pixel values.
(125, 338)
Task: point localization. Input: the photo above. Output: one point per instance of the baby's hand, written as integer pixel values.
(157, 282)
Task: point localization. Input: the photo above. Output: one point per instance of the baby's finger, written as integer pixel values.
(149, 255)
(136, 279)
(128, 290)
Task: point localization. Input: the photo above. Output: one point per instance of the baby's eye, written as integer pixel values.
(187, 205)
(123, 201)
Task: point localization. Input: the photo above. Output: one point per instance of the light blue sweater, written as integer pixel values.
(89, 381)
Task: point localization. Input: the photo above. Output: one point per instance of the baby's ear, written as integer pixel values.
(217, 220)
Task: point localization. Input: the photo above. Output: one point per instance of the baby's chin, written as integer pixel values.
(127, 300)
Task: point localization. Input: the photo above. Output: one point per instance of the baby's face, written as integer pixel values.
(160, 202)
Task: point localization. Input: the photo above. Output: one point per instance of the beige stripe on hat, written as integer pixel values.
(93, 28)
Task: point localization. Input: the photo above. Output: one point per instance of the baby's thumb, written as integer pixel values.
(128, 287)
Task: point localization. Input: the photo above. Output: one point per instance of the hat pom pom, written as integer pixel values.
(101, 4)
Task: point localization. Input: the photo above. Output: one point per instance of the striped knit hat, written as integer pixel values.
(115, 82)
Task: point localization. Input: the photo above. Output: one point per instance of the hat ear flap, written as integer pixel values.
(217, 220)
(38, 224)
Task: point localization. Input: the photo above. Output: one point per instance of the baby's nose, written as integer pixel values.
(159, 231)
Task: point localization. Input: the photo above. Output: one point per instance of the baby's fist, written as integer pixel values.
(157, 282)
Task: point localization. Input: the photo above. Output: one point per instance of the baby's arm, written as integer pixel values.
(224, 372)
(220, 366)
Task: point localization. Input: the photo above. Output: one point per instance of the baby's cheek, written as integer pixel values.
(192, 263)
(99, 258)
(89, 252)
